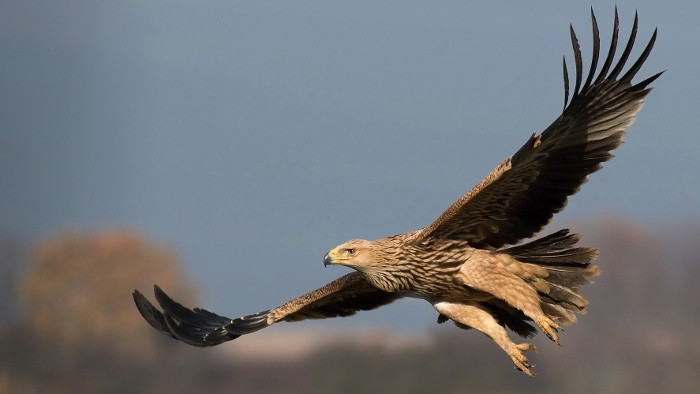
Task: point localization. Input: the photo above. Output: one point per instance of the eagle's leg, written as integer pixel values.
(479, 319)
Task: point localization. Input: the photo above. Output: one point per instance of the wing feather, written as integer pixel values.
(521, 195)
(596, 49)
(344, 296)
(611, 51)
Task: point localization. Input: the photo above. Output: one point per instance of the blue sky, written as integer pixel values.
(254, 136)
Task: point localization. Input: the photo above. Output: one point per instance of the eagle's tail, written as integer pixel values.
(568, 267)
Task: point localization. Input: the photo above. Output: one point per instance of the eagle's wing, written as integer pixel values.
(521, 195)
(342, 297)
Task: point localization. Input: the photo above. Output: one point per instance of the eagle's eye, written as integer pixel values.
(352, 251)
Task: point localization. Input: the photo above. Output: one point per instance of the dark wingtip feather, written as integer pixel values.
(149, 312)
(578, 59)
(646, 82)
(566, 84)
(171, 307)
(642, 58)
(611, 51)
(197, 327)
(180, 333)
(596, 50)
(628, 49)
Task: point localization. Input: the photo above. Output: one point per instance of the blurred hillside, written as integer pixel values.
(69, 325)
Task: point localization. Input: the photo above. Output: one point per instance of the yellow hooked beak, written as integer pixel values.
(331, 257)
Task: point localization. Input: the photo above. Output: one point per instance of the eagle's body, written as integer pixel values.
(422, 271)
(463, 263)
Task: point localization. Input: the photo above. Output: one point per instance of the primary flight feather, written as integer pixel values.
(463, 263)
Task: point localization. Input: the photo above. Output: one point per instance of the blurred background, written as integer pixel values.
(219, 149)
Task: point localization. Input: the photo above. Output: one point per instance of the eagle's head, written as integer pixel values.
(359, 254)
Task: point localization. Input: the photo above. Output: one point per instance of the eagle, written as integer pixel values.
(472, 264)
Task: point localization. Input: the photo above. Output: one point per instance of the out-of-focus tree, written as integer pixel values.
(78, 288)
(80, 331)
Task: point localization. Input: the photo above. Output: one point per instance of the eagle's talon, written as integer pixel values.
(549, 328)
(521, 362)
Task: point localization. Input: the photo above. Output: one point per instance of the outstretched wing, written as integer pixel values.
(198, 327)
(521, 195)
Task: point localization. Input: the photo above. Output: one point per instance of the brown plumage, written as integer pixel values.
(459, 263)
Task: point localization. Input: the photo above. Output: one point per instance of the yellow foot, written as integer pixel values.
(519, 359)
(549, 328)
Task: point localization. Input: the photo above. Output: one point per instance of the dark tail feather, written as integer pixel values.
(568, 268)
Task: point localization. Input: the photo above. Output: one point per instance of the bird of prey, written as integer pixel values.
(470, 264)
